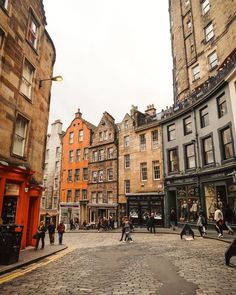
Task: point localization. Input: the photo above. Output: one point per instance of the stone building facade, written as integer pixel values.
(49, 210)
(103, 171)
(199, 144)
(203, 35)
(74, 170)
(141, 185)
(27, 55)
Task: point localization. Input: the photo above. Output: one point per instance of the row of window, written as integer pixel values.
(98, 176)
(143, 141)
(72, 136)
(226, 147)
(213, 63)
(78, 155)
(96, 155)
(204, 118)
(100, 154)
(74, 195)
(77, 174)
(102, 198)
(54, 203)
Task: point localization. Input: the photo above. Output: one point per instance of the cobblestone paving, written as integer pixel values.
(153, 264)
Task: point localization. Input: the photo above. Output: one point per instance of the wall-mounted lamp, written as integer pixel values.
(56, 78)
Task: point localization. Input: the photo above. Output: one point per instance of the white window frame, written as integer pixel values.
(196, 73)
(109, 174)
(126, 141)
(154, 139)
(5, 4)
(127, 161)
(81, 135)
(209, 32)
(155, 168)
(33, 31)
(71, 137)
(143, 171)
(213, 60)
(205, 6)
(27, 79)
(142, 142)
(20, 136)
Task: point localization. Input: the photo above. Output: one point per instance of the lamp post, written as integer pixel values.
(56, 78)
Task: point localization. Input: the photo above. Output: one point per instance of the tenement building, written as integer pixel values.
(199, 151)
(203, 35)
(74, 170)
(103, 171)
(141, 185)
(51, 178)
(27, 55)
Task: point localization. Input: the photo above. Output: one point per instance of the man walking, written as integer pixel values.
(152, 223)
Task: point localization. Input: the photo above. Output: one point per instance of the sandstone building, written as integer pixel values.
(103, 170)
(74, 170)
(27, 55)
(51, 178)
(203, 35)
(141, 184)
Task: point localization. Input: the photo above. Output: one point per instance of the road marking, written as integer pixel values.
(27, 269)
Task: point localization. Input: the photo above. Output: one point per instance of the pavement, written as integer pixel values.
(29, 255)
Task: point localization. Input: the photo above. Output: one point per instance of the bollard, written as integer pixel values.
(187, 230)
(231, 251)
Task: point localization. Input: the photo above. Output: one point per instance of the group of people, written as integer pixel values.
(105, 223)
(51, 228)
(127, 228)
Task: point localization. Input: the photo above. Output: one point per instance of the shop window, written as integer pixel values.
(222, 106)
(196, 73)
(188, 205)
(71, 153)
(190, 156)
(33, 32)
(27, 79)
(209, 32)
(171, 132)
(9, 208)
(77, 174)
(173, 160)
(127, 186)
(154, 139)
(126, 141)
(20, 136)
(110, 174)
(205, 6)
(208, 152)
(71, 137)
(78, 152)
(213, 60)
(142, 141)
(204, 117)
(127, 161)
(77, 195)
(143, 171)
(211, 200)
(85, 173)
(156, 170)
(187, 125)
(81, 135)
(227, 143)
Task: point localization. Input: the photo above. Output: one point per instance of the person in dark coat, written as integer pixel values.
(123, 227)
(228, 219)
(60, 230)
(173, 218)
(40, 234)
(51, 232)
(152, 223)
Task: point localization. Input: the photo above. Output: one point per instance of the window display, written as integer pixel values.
(187, 203)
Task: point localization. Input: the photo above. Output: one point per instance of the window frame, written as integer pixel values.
(155, 137)
(77, 174)
(127, 186)
(169, 162)
(204, 117)
(127, 161)
(186, 124)
(25, 82)
(110, 174)
(71, 137)
(205, 5)
(171, 132)
(156, 164)
(126, 141)
(21, 137)
(221, 111)
(80, 135)
(142, 142)
(187, 157)
(204, 152)
(143, 171)
(213, 64)
(223, 145)
(196, 73)
(85, 174)
(209, 35)
(34, 42)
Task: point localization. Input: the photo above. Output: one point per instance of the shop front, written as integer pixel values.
(19, 201)
(102, 210)
(141, 205)
(69, 211)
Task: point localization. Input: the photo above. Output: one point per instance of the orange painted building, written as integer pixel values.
(74, 170)
(27, 55)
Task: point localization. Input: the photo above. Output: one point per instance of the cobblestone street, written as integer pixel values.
(153, 264)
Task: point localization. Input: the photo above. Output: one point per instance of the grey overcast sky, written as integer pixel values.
(112, 54)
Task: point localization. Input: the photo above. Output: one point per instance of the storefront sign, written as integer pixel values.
(12, 189)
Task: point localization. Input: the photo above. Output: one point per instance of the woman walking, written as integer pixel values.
(40, 235)
(60, 230)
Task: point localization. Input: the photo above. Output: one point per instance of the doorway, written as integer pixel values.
(30, 222)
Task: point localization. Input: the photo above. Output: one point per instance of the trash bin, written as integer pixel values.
(10, 241)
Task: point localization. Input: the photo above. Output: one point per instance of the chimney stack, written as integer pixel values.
(150, 111)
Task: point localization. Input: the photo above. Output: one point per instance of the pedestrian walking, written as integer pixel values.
(123, 227)
(60, 230)
(127, 229)
(99, 224)
(51, 232)
(173, 218)
(152, 223)
(228, 216)
(40, 235)
(201, 224)
(218, 217)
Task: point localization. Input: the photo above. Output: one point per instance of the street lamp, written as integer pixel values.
(56, 78)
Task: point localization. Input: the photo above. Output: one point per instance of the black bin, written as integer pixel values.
(10, 241)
